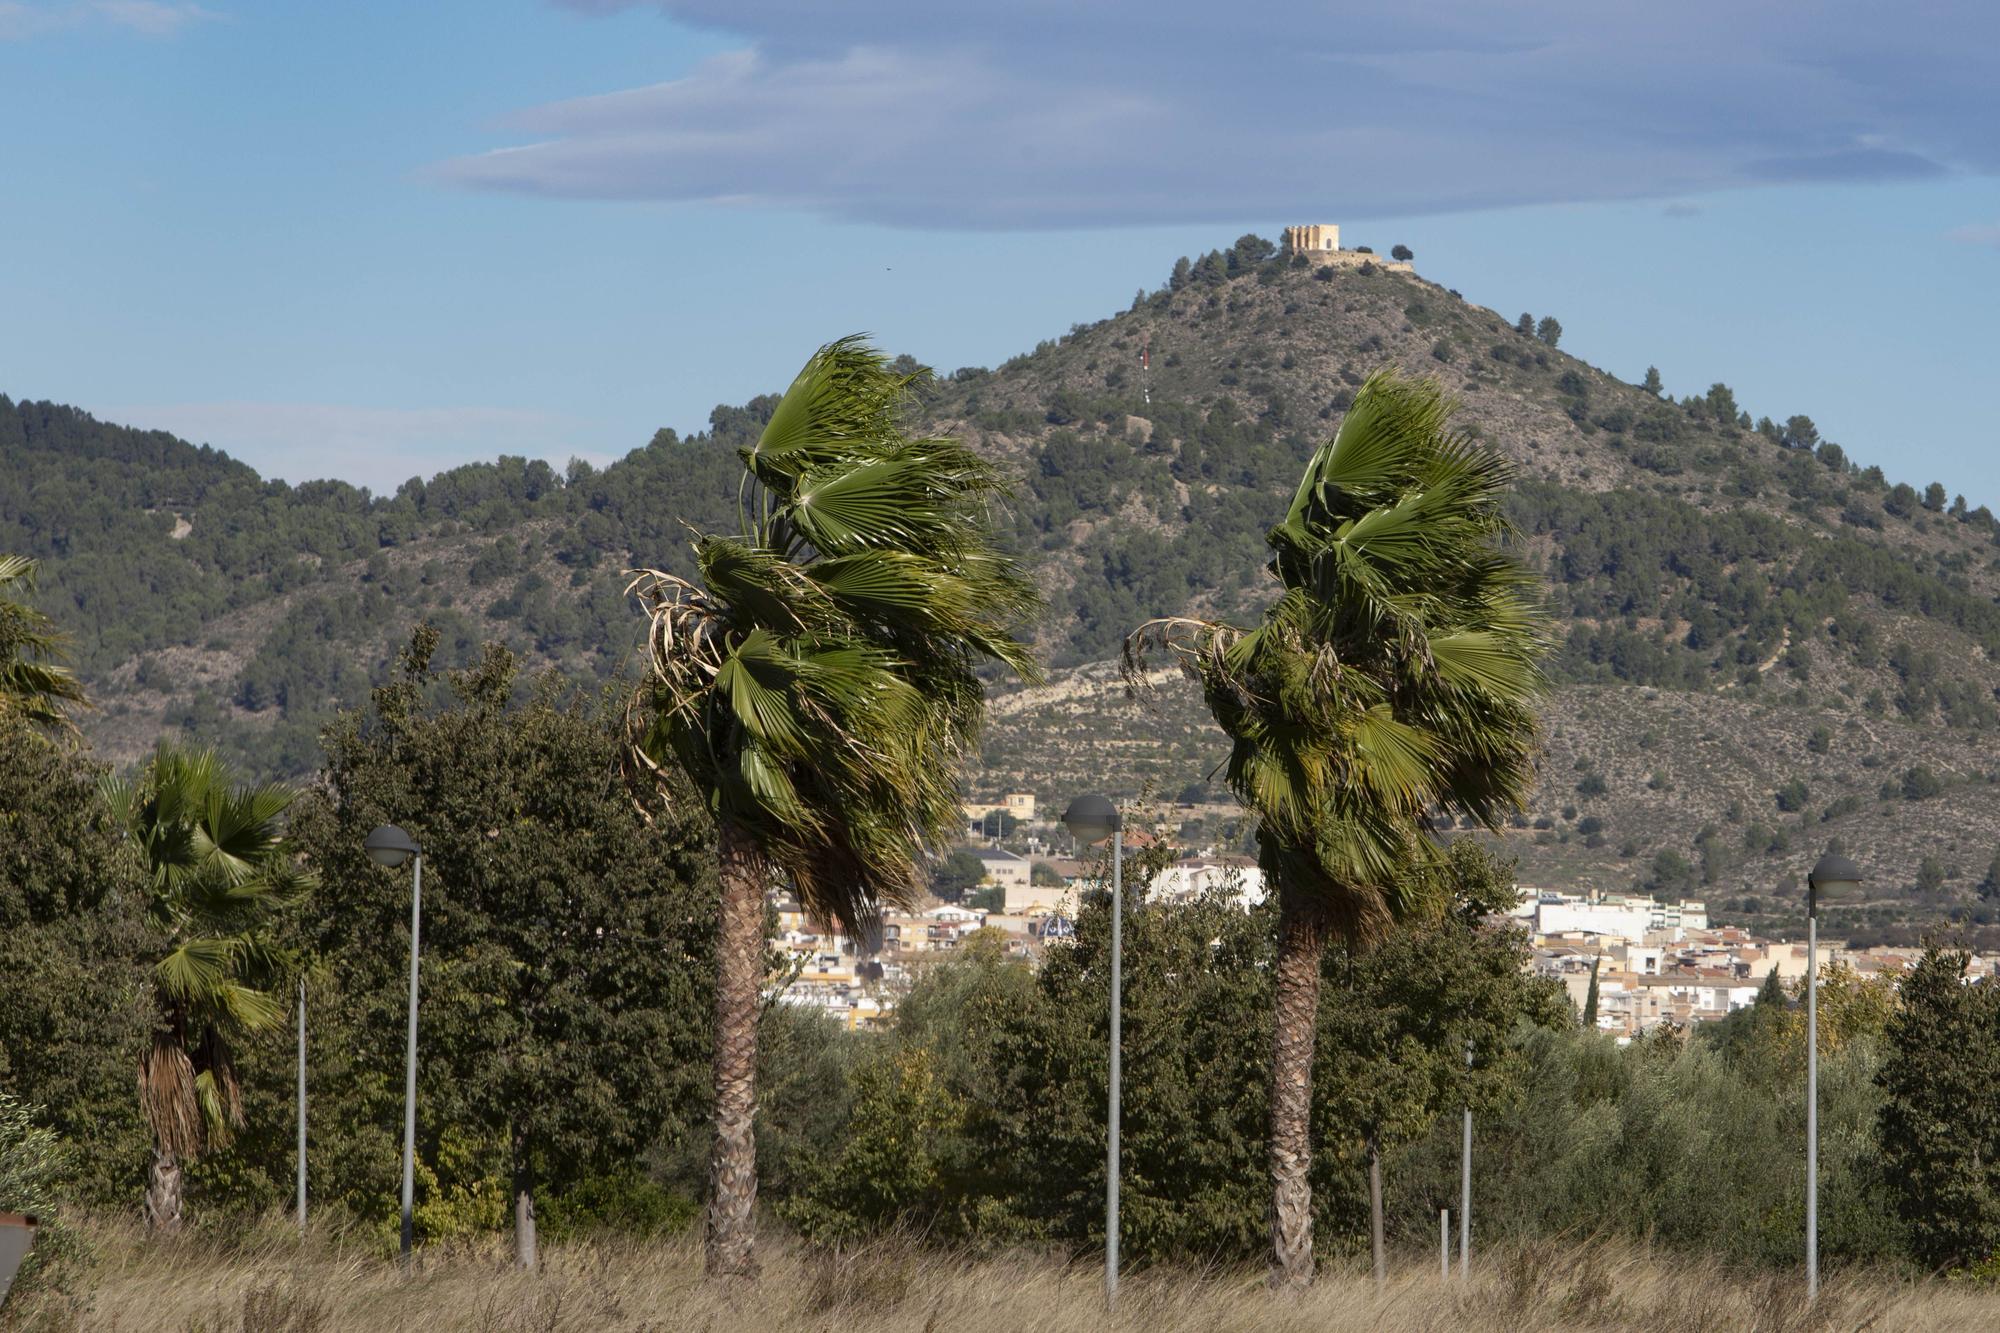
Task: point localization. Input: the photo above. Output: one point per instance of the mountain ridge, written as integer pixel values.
(1726, 590)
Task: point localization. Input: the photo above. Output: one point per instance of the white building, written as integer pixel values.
(1194, 876)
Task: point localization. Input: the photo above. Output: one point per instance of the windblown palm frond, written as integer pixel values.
(1396, 675)
(34, 685)
(817, 684)
(219, 870)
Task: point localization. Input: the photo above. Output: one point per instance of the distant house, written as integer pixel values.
(1004, 868)
(1194, 876)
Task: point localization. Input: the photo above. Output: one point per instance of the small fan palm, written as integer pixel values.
(218, 872)
(1394, 678)
(816, 687)
(35, 687)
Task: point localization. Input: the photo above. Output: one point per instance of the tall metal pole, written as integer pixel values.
(1812, 1096)
(1117, 994)
(1465, 1189)
(1444, 1244)
(302, 1103)
(410, 1079)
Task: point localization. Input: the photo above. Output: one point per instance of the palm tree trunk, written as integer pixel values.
(1301, 942)
(732, 1196)
(163, 1194)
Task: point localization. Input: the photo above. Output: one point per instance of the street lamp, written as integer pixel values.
(302, 1103)
(1833, 873)
(1090, 820)
(390, 846)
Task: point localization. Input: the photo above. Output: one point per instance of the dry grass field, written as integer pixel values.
(269, 1282)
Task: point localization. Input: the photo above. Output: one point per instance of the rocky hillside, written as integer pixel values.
(1766, 645)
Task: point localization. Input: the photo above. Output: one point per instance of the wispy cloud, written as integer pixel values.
(379, 447)
(1681, 208)
(1977, 233)
(1051, 113)
(20, 20)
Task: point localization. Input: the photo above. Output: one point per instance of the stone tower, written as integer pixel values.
(1315, 238)
(1319, 242)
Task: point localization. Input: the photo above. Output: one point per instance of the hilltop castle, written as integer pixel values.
(1320, 242)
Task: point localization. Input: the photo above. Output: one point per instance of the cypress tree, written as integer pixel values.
(1590, 1000)
(1939, 1126)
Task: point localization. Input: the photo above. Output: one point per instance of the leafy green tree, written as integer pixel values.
(1590, 997)
(957, 875)
(1939, 1127)
(1651, 384)
(73, 1020)
(34, 685)
(1930, 875)
(1792, 797)
(1389, 562)
(1934, 496)
(1525, 325)
(1402, 253)
(34, 1165)
(816, 689)
(566, 942)
(1549, 330)
(1800, 433)
(219, 873)
(1249, 251)
(888, 1164)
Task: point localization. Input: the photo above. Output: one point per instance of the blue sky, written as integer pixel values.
(372, 240)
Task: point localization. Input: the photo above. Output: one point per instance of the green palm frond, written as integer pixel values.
(35, 687)
(817, 684)
(1396, 674)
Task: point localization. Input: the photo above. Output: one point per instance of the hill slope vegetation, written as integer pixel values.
(1765, 645)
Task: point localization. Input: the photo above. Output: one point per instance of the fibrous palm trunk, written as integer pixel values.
(732, 1195)
(1301, 942)
(163, 1194)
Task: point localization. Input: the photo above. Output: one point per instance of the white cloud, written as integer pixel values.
(1977, 233)
(1052, 113)
(378, 447)
(20, 20)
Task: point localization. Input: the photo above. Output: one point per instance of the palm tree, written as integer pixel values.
(1394, 678)
(219, 870)
(34, 687)
(816, 687)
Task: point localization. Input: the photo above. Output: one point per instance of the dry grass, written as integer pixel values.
(268, 1282)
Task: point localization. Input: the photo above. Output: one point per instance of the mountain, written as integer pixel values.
(1765, 645)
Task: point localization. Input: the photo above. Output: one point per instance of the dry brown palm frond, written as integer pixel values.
(167, 1097)
(1196, 646)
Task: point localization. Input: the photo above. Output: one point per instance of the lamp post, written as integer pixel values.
(1832, 874)
(1465, 1187)
(302, 1104)
(390, 846)
(1090, 820)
